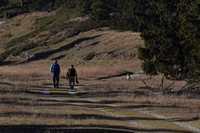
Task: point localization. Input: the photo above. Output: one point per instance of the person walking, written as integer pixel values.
(72, 77)
(55, 73)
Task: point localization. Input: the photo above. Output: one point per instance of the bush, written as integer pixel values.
(18, 50)
(8, 35)
(55, 40)
(90, 24)
(89, 56)
(42, 23)
(19, 39)
(12, 12)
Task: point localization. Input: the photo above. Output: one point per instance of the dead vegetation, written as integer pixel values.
(27, 98)
(105, 97)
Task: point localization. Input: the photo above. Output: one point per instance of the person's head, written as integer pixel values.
(72, 66)
(55, 61)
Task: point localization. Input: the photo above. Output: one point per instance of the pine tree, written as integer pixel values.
(123, 16)
(101, 10)
(84, 6)
(189, 31)
(169, 29)
(3, 3)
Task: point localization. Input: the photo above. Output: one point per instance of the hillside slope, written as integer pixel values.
(34, 36)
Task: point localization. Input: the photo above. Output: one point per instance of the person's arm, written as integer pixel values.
(77, 78)
(51, 70)
(58, 69)
(67, 75)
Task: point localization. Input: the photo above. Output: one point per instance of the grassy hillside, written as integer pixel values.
(42, 35)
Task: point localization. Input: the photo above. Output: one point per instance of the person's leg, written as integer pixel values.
(71, 83)
(57, 81)
(54, 82)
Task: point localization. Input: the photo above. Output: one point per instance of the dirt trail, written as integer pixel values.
(181, 124)
(133, 123)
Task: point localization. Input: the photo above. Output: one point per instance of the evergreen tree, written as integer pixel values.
(40, 5)
(101, 9)
(84, 6)
(169, 29)
(189, 31)
(3, 3)
(123, 16)
(22, 3)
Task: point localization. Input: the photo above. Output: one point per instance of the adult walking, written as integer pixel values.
(55, 73)
(72, 77)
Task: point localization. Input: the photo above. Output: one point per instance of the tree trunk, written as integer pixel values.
(22, 3)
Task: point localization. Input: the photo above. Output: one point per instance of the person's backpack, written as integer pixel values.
(72, 72)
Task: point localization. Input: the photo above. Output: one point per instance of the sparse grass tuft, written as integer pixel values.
(89, 56)
(19, 40)
(44, 22)
(24, 47)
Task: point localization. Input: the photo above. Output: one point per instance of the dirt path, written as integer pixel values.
(132, 123)
(183, 125)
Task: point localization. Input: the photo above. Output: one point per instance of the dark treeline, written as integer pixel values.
(170, 29)
(119, 14)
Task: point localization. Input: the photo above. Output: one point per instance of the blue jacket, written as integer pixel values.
(54, 67)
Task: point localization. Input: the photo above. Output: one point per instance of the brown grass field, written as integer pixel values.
(109, 103)
(104, 100)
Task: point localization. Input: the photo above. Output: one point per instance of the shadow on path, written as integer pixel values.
(6, 84)
(79, 129)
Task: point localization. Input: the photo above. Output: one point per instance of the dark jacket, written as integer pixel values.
(55, 69)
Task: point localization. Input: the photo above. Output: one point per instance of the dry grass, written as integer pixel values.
(104, 69)
(24, 104)
(19, 26)
(137, 92)
(107, 102)
(24, 72)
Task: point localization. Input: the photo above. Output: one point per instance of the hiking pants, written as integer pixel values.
(71, 83)
(55, 81)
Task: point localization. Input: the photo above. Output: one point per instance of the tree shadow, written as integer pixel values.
(4, 63)
(116, 75)
(93, 44)
(109, 102)
(86, 116)
(147, 106)
(94, 128)
(44, 55)
(59, 57)
(36, 104)
(6, 84)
